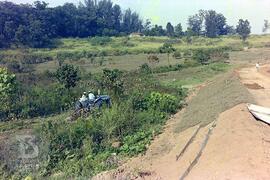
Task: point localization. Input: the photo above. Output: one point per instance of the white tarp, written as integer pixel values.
(261, 113)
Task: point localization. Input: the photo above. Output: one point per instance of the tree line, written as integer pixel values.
(36, 25)
(209, 23)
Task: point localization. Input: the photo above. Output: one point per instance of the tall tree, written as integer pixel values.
(214, 24)
(243, 29)
(117, 16)
(195, 23)
(131, 22)
(170, 30)
(179, 30)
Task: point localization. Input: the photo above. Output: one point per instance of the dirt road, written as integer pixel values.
(238, 147)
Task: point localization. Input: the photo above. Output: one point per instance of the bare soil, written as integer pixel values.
(238, 147)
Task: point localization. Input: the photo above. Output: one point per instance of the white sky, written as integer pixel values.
(175, 11)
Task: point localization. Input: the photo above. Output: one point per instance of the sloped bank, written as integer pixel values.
(221, 94)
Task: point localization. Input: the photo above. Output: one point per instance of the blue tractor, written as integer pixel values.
(82, 109)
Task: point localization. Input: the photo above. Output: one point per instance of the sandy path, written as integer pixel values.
(262, 78)
(239, 147)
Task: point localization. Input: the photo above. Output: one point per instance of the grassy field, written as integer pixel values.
(144, 44)
(253, 55)
(193, 75)
(129, 53)
(137, 45)
(125, 62)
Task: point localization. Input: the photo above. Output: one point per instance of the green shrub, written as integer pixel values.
(8, 92)
(43, 101)
(139, 101)
(202, 56)
(219, 54)
(68, 75)
(112, 80)
(149, 118)
(137, 143)
(145, 68)
(163, 102)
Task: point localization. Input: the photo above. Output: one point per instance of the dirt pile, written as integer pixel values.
(223, 93)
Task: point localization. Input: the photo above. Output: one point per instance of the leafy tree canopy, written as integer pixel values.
(243, 29)
(68, 75)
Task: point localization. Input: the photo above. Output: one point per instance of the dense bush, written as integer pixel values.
(8, 89)
(162, 102)
(145, 68)
(112, 80)
(204, 56)
(36, 101)
(68, 75)
(135, 144)
(43, 101)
